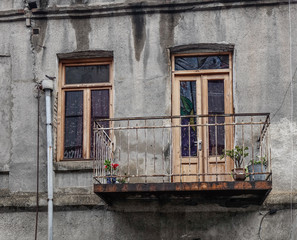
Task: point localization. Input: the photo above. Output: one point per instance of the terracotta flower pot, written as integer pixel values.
(238, 174)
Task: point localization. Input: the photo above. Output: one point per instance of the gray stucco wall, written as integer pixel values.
(102, 224)
(142, 87)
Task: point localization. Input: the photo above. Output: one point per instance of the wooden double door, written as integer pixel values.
(198, 142)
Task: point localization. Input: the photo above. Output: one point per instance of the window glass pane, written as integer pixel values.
(188, 107)
(216, 106)
(100, 103)
(87, 74)
(202, 62)
(73, 129)
(99, 110)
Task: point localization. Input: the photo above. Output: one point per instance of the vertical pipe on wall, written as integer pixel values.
(38, 87)
(47, 86)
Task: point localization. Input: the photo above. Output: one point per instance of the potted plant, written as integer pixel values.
(257, 166)
(237, 155)
(111, 170)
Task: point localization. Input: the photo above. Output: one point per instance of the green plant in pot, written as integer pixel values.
(257, 166)
(237, 155)
(111, 170)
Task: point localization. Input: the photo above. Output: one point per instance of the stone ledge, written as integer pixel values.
(281, 200)
(73, 166)
(86, 54)
(28, 200)
(17, 201)
(202, 47)
(4, 169)
(121, 9)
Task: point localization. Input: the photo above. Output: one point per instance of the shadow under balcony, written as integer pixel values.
(178, 159)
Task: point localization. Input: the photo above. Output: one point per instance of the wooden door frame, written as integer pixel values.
(228, 98)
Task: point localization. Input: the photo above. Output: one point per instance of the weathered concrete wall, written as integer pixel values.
(11, 4)
(102, 224)
(142, 87)
(139, 43)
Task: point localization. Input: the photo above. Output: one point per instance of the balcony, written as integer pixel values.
(181, 159)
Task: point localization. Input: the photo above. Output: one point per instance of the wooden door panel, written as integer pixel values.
(186, 154)
(206, 164)
(214, 166)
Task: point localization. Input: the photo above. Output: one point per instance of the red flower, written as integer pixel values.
(114, 166)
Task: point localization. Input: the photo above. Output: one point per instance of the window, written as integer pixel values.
(85, 96)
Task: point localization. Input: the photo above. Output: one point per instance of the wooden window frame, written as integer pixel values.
(86, 88)
(203, 71)
(176, 73)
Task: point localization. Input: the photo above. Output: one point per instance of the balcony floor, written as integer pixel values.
(227, 194)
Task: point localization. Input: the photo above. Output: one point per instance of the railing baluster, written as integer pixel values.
(171, 154)
(103, 153)
(216, 143)
(242, 135)
(137, 165)
(266, 148)
(189, 149)
(120, 148)
(180, 156)
(128, 150)
(269, 151)
(226, 128)
(154, 147)
(261, 147)
(197, 149)
(145, 132)
(100, 153)
(207, 149)
(252, 136)
(163, 153)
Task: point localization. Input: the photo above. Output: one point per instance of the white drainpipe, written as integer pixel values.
(47, 86)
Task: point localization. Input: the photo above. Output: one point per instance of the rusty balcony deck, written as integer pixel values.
(169, 159)
(227, 194)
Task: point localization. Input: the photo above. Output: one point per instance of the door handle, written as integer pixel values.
(199, 142)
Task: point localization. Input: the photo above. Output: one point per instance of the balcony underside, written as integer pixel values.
(228, 194)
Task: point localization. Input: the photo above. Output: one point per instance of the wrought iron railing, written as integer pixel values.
(180, 148)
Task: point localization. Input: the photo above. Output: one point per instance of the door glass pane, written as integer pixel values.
(202, 62)
(99, 110)
(188, 106)
(216, 106)
(86, 74)
(73, 129)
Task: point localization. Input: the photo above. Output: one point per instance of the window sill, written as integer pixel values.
(73, 166)
(4, 169)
